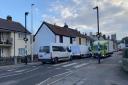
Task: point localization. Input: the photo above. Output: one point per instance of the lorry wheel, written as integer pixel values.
(55, 60)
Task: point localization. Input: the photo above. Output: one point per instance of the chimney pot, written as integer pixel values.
(9, 18)
(65, 25)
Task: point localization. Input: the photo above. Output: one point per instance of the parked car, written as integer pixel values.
(53, 53)
(125, 59)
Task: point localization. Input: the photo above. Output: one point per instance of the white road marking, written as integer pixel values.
(60, 64)
(3, 76)
(81, 65)
(11, 69)
(62, 74)
(69, 65)
(45, 81)
(33, 66)
(81, 82)
(20, 70)
(59, 79)
(57, 68)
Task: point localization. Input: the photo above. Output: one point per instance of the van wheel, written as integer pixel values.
(43, 62)
(55, 60)
(70, 58)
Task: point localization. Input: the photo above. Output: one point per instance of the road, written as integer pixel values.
(50, 74)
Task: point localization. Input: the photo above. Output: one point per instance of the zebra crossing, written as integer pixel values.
(72, 65)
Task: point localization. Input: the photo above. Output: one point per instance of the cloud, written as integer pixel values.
(80, 14)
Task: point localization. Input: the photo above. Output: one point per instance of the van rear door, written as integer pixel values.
(44, 52)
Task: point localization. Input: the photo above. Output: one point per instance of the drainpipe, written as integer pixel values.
(15, 57)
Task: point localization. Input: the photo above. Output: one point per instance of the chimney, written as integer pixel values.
(65, 25)
(90, 33)
(9, 18)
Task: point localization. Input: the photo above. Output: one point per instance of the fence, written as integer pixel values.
(20, 59)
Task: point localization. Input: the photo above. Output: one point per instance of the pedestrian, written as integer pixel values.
(26, 60)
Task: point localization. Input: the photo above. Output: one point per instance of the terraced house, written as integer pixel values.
(51, 33)
(12, 36)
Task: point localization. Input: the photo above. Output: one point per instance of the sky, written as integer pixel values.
(78, 14)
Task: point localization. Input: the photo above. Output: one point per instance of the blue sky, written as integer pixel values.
(78, 14)
(17, 8)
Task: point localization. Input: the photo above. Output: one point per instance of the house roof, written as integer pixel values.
(62, 30)
(6, 25)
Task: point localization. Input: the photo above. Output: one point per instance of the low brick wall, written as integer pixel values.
(20, 59)
(6, 61)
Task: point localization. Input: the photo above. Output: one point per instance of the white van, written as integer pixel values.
(53, 53)
(79, 51)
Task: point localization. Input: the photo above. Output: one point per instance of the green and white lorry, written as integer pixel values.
(103, 48)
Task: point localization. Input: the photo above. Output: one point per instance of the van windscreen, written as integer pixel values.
(45, 49)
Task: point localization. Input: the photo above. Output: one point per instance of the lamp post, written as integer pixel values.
(98, 34)
(32, 31)
(25, 38)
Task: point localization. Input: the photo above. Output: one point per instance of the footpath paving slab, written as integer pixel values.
(18, 65)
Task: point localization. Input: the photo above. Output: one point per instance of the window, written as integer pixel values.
(61, 39)
(21, 35)
(45, 49)
(58, 48)
(71, 40)
(21, 51)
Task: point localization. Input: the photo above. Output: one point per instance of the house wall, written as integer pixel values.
(66, 40)
(19, 43)
(84, 41)
(5, 52)
(43, 37)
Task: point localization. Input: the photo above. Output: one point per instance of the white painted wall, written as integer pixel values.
(43, 37)
(66, 40)
(20, 43)
(57, 39)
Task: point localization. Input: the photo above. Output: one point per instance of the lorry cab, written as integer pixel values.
(53, 53)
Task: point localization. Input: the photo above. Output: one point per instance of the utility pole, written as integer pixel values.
(98, 34)
(32, 35)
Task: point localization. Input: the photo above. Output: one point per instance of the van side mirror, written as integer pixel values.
(69, 50)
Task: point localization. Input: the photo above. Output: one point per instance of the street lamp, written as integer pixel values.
(32, 35)
(98, 34)
(25, 38)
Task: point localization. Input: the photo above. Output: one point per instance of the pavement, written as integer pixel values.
(77, 72)
(18, 65)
